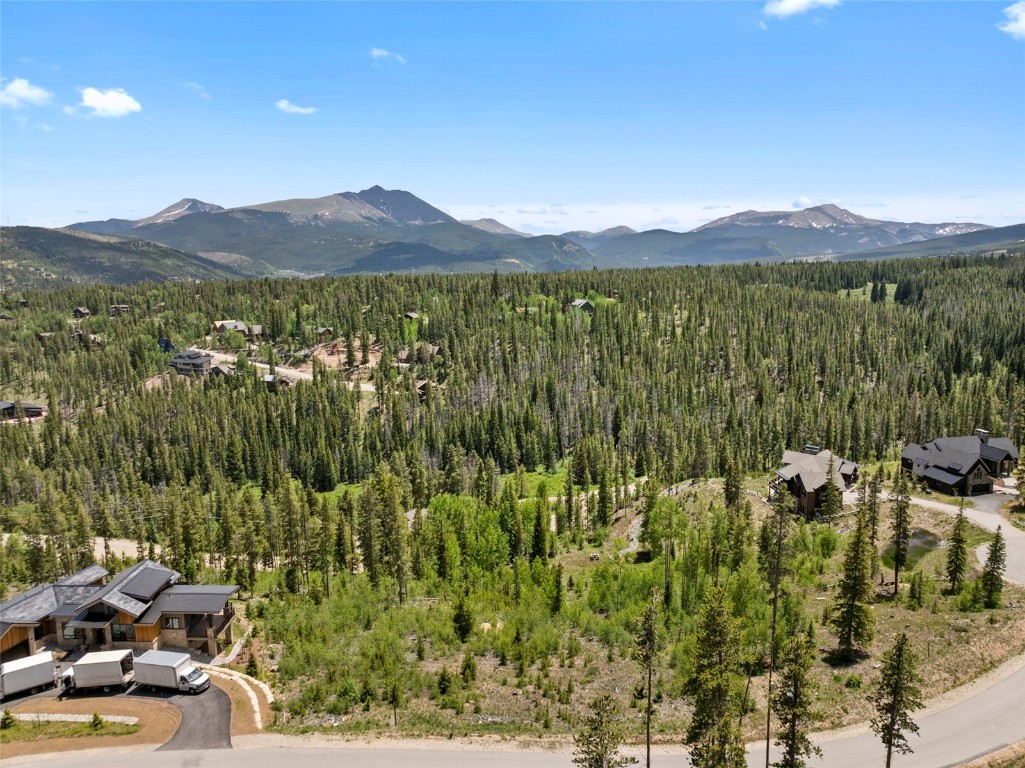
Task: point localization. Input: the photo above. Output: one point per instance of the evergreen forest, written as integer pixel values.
(459, 516)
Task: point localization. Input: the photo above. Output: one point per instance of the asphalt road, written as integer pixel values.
(206, 719)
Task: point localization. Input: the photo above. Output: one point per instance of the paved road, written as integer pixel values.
(206, 719)
(986, 514)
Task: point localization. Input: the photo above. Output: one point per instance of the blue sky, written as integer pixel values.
(546, 116)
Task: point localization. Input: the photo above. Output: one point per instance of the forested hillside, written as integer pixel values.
(350, 499)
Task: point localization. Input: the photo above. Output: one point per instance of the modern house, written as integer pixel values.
(805, 474)
(961, 466)
(119, 309)
(191, 362)
(142, 608)
(21, 409)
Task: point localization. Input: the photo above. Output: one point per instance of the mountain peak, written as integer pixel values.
(404, 207)
(183, 207)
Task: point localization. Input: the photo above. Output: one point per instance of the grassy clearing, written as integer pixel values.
(865, 292)
(45, 730)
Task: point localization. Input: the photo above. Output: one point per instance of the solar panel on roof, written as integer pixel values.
(145, 584)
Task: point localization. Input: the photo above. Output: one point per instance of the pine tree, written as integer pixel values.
(777, 560)
(832, 501)
(646, 653)
(957, 552)
(792, 700)
(896, 695)
(993, 572)
(901, 521)
(852, 616)
(597, 746)
(874, 490)
(714, 733)
(462, 619)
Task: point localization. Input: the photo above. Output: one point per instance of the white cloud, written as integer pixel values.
(542, 210)
(783, 8)
(762, 26)
(1015, 24)
(19, 93)
(291, 109)
(801, 202)
(197, 89)
(383, 53)
(114, 102)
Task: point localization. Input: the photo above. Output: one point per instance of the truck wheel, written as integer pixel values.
(106, 689)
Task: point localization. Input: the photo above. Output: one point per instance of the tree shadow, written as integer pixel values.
(839, 658)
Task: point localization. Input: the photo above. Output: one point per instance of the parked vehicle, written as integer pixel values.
(100, 669)
(29, 674)
(164, 669)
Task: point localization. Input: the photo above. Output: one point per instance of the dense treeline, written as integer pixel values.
(683, 370)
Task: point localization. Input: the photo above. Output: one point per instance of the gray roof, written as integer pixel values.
(811, 470)
(146, 583)
(188, 599)
(86, 575)
(957, 456)
(86, 620)
(113, 595)
(41, 601)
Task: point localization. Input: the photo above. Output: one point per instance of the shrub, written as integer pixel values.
(97, 722)
(8, 720)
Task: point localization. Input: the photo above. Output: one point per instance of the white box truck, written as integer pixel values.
(28, 674)
(100, 669)
(164, 669)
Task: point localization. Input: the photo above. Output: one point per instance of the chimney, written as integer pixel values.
(983, 435)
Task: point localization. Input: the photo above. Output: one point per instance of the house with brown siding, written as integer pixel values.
(142, 607)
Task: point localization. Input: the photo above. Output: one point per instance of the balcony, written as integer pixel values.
(210, 625)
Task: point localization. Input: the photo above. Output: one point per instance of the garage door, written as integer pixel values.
(982, 488)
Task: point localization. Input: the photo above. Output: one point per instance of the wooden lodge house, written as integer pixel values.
(960, 466)
(805, 474)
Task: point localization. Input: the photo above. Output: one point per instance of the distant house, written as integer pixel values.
(324, 333)
(191, 362)
(420, 353)
(44, 336)
(805, 474)
(223, 326)
(583, 305)
(422, 389)
(961, 466)
(274, 382)
(255, 330)
(5, 316)
(82, 312)
(21, 409)
(221, 370)
(412, 316)
(119, 309)
(142, 607)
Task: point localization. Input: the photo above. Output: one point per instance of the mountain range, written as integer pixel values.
(378, 230)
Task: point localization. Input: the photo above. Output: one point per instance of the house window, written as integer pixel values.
(172, 622)
(74, 634)
(123, 632)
